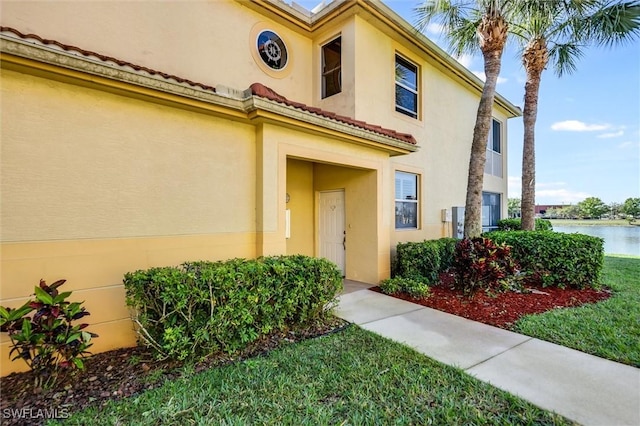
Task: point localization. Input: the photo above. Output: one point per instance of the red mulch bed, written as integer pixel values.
(503, 309)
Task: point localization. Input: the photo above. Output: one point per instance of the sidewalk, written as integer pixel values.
(581, 387)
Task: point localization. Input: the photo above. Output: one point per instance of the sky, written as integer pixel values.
(588, 126)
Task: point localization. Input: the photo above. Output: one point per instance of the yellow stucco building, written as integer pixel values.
(143, 134)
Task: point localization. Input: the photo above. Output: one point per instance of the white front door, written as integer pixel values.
(331, 227)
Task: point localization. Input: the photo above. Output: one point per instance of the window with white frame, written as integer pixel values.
(406, 87)
(493, 165)
(491, 207)
(332, 68)
(406, 200)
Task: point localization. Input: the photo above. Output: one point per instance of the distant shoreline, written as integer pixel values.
(591, 222)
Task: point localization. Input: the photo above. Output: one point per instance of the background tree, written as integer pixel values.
(570, 212)
(592, 207)
(554, 213)
(513, 207)
(471, 26)
(557, 32)
(631, 208)
(615, 209)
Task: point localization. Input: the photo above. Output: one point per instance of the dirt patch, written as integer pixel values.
(119, 374)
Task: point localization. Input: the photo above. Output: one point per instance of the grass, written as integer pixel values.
(589, 222)
(352, 377)
(609, 329)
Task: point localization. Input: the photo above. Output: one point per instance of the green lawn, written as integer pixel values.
(609, 329)
(352, 377)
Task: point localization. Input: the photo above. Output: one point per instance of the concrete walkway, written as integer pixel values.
(581, 387)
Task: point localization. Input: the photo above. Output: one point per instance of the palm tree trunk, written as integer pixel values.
(535, 59)
(492, 33)
(478, 158)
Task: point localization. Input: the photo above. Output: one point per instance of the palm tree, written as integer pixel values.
(557, 31)
(469, 26)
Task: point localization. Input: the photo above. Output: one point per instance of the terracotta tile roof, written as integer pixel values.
(105, 58)
(258, 89)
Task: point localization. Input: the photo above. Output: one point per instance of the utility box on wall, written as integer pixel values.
(457, 222)
(446, 215)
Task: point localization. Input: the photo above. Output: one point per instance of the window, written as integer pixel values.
(491, 207)
(493, 165)
(406, 200)
(272, 50)
(331, 68)
(406, 87)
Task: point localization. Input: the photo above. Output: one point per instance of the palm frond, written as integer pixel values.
(565, 57)
(463, 38)
(614, 23)
(443, 12)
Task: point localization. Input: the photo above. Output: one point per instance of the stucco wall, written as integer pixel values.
(95, 185)
(444, 127)
(301, 205)
(77, 163)
(205, 41)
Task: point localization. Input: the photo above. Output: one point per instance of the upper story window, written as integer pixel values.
(332, 68)
(406, 87)
(272, 50)
(493, 165)
(406, 200)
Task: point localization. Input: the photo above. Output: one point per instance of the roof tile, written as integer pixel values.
(104, 58)
(258, 89)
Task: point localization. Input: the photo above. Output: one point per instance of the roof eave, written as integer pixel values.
(25, 56)
(268, 110)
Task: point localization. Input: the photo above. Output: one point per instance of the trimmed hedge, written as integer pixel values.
(561, 260)
(423, 261)
(516, 225)
(200, 308)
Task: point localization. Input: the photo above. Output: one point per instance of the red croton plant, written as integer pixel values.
(479, 263)
(47, 340)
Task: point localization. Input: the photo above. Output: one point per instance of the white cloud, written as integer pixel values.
(560, 196)
(629, 144)
(612, 134)
(550, 184)
(578, 126)
(548, 192)
(483, 77)
(435, 29)
(465, 60)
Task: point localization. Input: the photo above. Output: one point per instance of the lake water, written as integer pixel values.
(617, 239)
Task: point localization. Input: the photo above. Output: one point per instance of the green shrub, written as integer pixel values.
(423, 261)
(447, 249)
(480, 264)
(560, 260)
(516, 225)
(412, 287)
(201, 308)
(47, 341)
